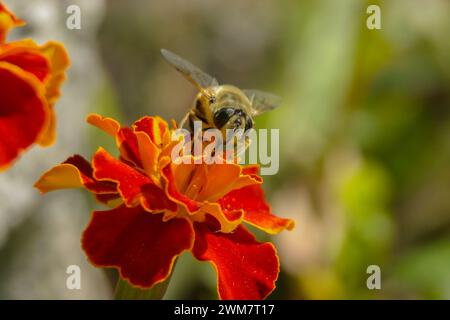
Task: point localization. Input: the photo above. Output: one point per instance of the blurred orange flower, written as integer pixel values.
(162, 208)
(30, 78)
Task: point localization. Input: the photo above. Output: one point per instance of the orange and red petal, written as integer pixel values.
(129, 180)
(126, 139)
(26, 55)
(7, 21)
(75, 172)
(23, 112)
(225, 221)
(155, 127)
(257, 212)
(108, 125)
(154, 199)
(48, 64)
(192, 184)
(173, 185)
(58, 60)
(246, 269)
(110, 199)
(149, 154)
(222, 178)
(128, 146)
(139, 244)
(48, 135)
(253, 171)
(134, 186)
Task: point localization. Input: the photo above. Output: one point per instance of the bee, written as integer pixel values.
(220, 106)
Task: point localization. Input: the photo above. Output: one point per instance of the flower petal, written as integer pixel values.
(133, 186)
(227, 221)
(191, 184)
(109, 125)
(245, 268)
(155, 127)
(110, 199)
(75, 172)
(154, 199)
(58, 60)
(7, 21)
(149, 154)
(186, 184)
(139, 244)
(23, 112)
(129, 180)
(48, 63)
(126, 139)
(26, 55)
(222, 178)
(256, 210)
(252, 170)
(175, 181)
(128, 146)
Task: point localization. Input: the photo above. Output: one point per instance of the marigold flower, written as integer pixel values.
(30, 78)
(162, 209)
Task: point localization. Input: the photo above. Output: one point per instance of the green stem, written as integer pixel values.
(125, 291)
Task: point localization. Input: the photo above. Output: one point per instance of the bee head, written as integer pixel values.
(232, 118)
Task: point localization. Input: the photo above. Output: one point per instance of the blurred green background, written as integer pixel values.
(364, 130)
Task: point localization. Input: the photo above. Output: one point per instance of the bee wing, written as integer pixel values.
(197, 77)
(262, 101)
